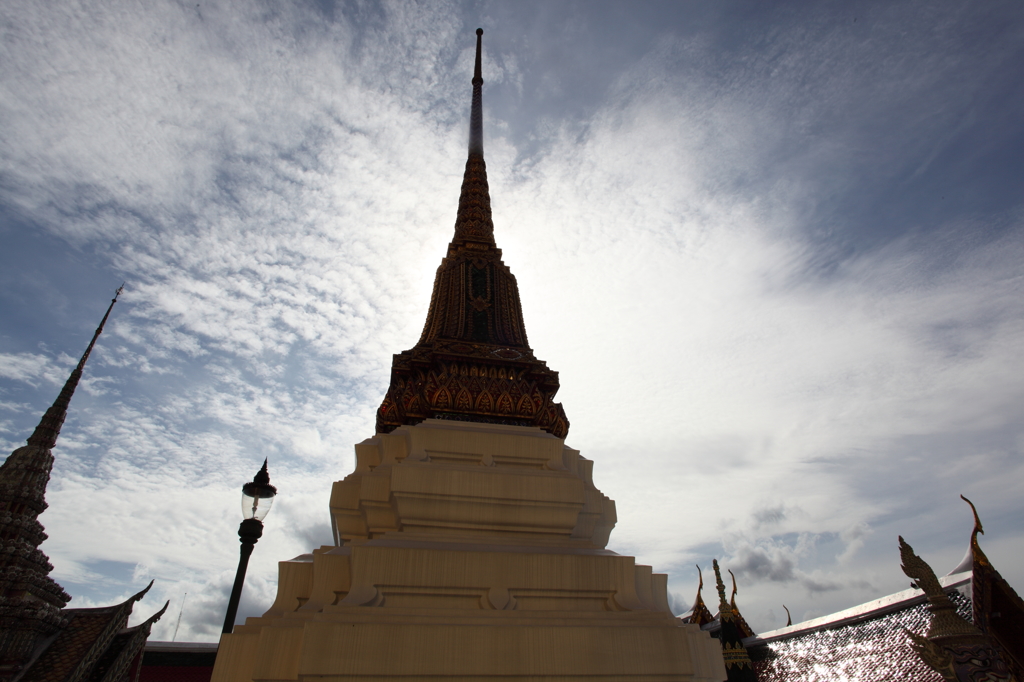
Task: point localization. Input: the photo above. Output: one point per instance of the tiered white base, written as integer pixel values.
(471, 552)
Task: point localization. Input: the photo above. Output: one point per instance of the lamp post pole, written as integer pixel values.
(249, 532)
(257, 496)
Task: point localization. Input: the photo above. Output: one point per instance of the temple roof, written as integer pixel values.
(96, 644)
(473, 361)
(973, 610)
(861, 644)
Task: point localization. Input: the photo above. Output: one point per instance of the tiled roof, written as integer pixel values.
(109, 659)
(868, 649)
(63, 657)
(95, 646)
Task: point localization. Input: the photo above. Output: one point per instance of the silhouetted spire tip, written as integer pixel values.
(46, 433)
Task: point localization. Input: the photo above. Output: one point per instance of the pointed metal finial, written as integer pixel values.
(476, 114)
(732, 599)
(789, 618)
(262, 476)
(45, 434)
(477, 77)
(700, 577)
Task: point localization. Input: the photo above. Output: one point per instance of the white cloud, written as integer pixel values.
(23, 366)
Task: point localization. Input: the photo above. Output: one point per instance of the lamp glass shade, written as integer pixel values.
(257, 500)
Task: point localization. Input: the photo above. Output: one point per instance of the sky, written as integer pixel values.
(774, 250)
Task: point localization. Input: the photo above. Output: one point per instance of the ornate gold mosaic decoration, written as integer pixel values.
(473, 361)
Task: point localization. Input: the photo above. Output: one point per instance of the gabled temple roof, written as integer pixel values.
(865, 643)
(998, 610)
(968, 610)
(93, 637)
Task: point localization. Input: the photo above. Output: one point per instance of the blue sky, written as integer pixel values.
(773, 251)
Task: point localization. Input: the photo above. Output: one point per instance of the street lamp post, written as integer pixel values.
(257, 497)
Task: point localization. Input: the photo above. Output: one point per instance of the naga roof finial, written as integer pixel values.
(944, 622)
(953, 646)
(700, 614)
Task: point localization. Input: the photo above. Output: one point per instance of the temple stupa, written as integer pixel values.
(470, 539)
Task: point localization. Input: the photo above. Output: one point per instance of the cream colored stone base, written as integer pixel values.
(468, 552)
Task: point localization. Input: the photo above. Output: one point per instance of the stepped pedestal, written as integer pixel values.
(468, 551)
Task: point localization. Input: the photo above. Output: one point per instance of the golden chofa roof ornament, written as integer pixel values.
(473, 361)
(700, 615)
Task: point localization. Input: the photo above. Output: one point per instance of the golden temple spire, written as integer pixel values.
(473, 361)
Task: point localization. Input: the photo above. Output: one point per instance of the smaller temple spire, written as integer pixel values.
(30, 600)
(724, 609)
(738, 666)
(45, 434)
